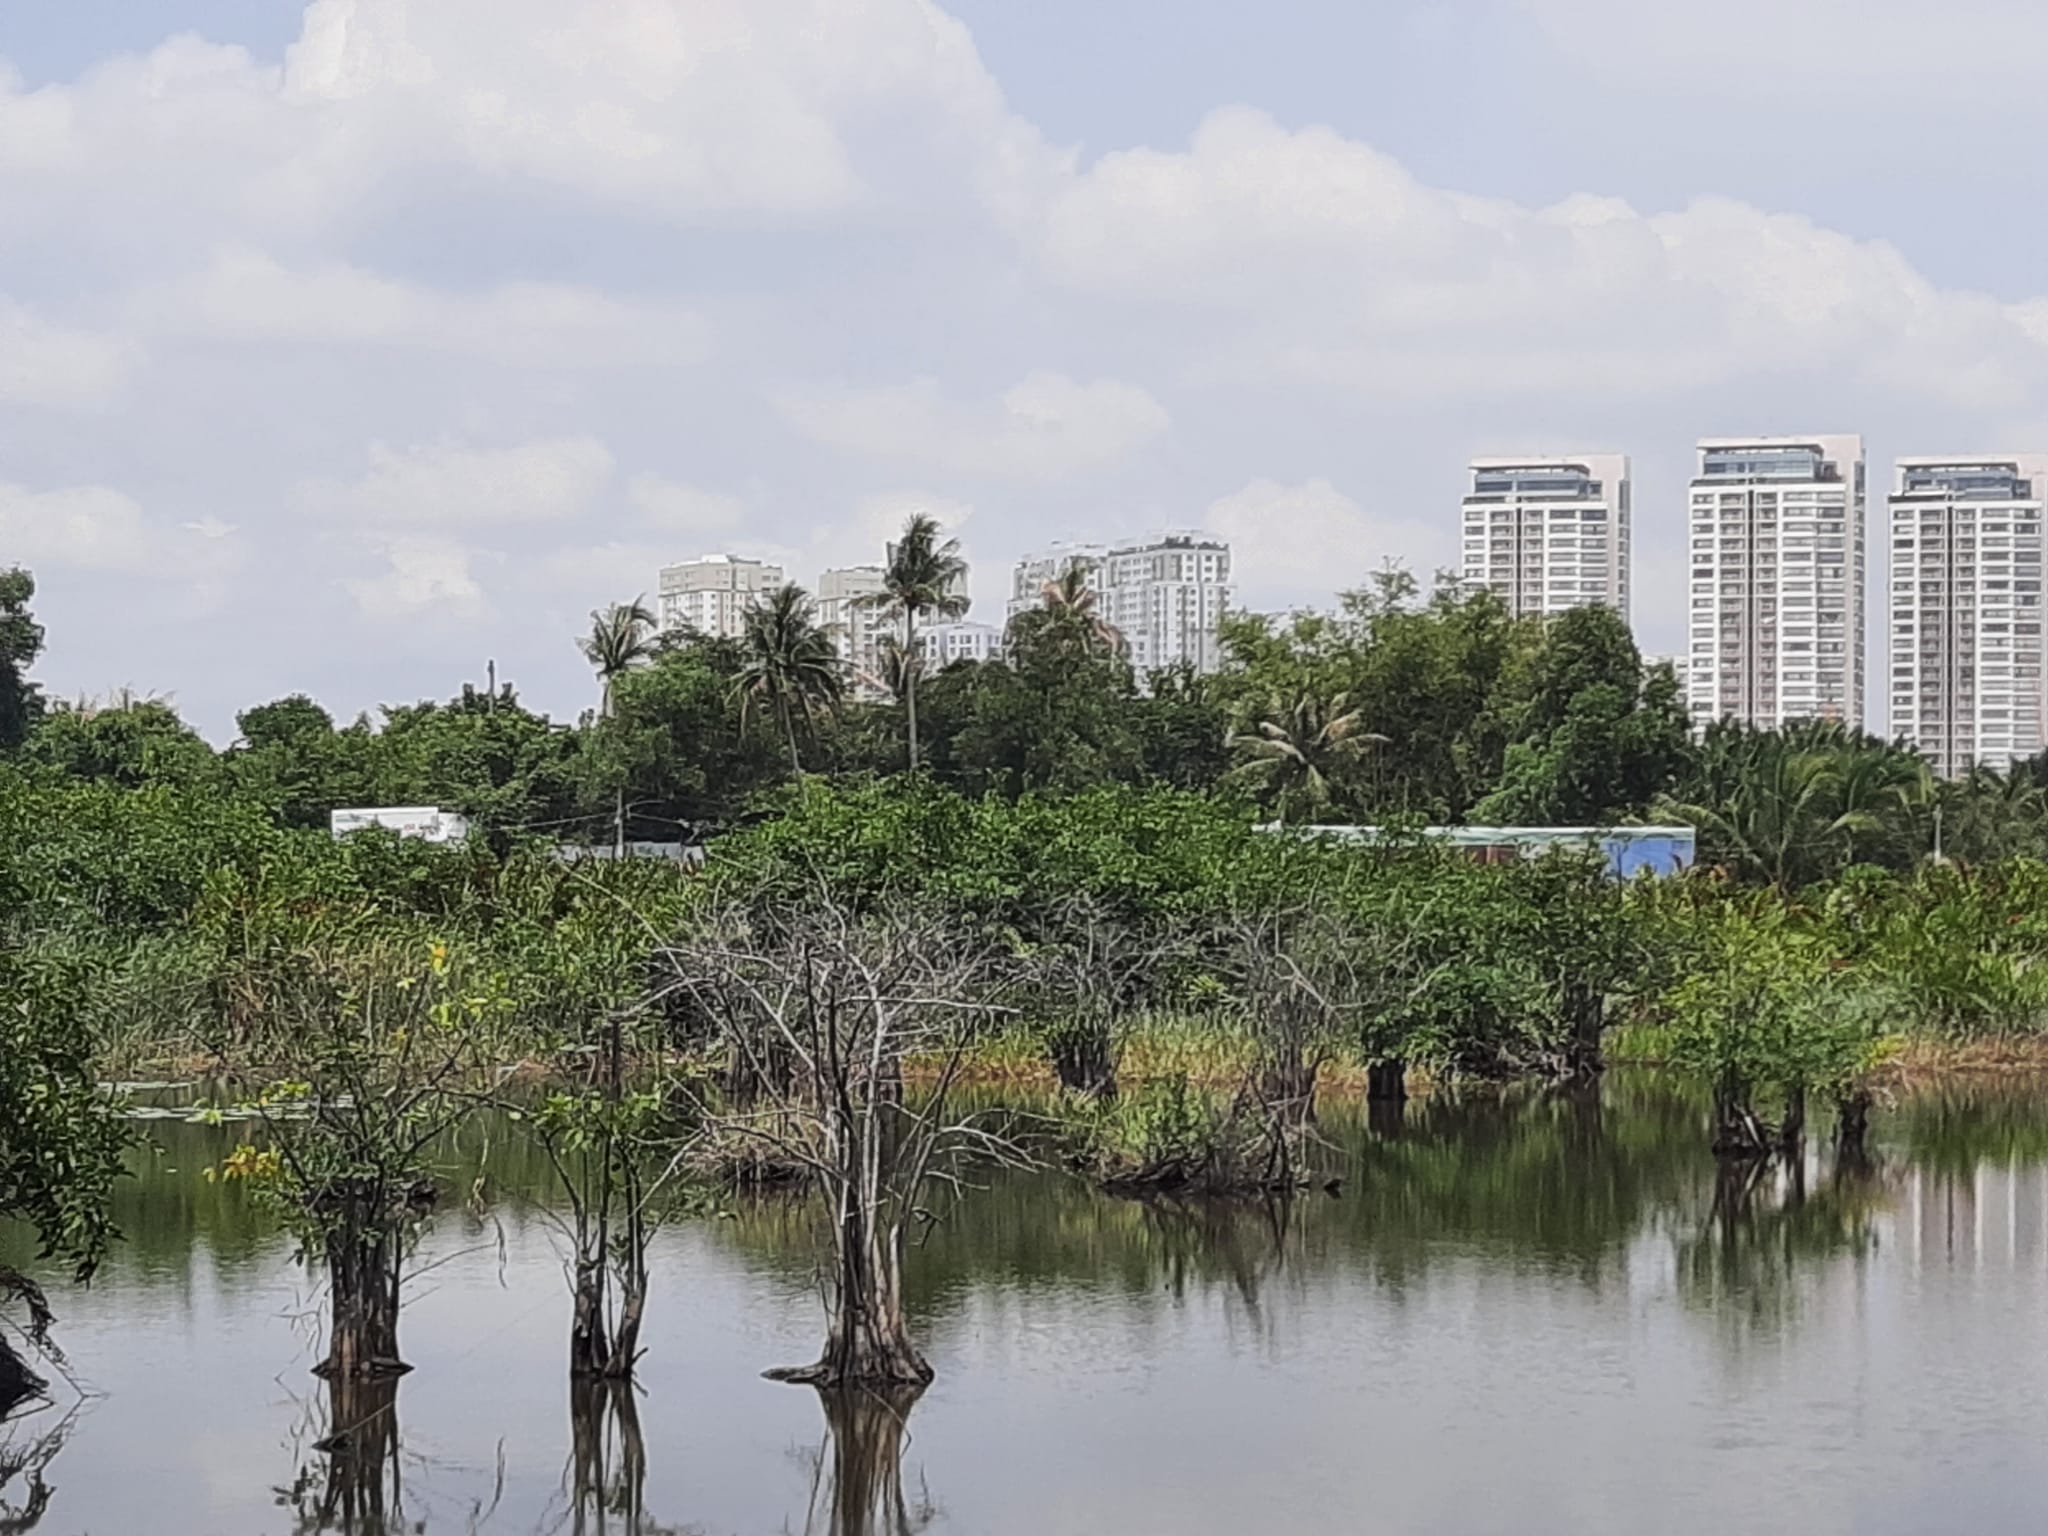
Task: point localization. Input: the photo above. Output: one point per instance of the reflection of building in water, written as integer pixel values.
(1993, 1216)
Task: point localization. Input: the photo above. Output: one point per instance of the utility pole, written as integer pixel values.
(491, 668)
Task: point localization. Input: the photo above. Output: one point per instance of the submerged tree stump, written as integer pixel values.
(1386, 1081)
(1083, 1055)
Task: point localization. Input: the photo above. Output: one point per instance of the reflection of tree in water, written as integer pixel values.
(1766, 1227)
(27, 1447)
(355, 1488)
(858, 1489)
(607, 1461)
(1551, 1178)
(1953, 1128)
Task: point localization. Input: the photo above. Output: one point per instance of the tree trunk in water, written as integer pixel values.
(1852, 1128)
(365, 1251)
(619, 1364)
(1084, 1055)
(1792, 1134)
(1737, 1131)
(910, 663)
(1387, 1080)
(589, 1341)
(1586, 1019)
(867, 1342)
(17, 1382)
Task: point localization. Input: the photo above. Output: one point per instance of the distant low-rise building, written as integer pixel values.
(943, 644)
(1629, 851)
(423, 823)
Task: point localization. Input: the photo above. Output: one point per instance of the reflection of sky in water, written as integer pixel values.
(1515, 1319)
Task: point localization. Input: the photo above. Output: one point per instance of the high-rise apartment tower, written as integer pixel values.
(848, 613)
(1966, 647)
(1165, 595)
(1777, 580)
(712, 594)
(1547, 534)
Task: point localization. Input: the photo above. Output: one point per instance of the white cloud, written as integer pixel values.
(677, 109)
(1044, 427)
(422, 577)
(1302, 543)
(246, 295)
(1319, 258)
(445, 483)
(91, 527)
(679, 508)
(48, 365)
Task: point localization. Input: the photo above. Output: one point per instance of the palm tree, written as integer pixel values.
(895, 665)
(1070, 604)
(621, 638)
(923, 577)
(1291, 756)
(790, 661)
(1794, 805)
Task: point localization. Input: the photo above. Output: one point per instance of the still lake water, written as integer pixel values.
(1523, 1314)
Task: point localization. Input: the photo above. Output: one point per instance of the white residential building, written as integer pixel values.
(1777, 580)
(1548, 534)
(856, 624)
(1164, 595)
(712, 594)
(1967, 673)
(943, 644)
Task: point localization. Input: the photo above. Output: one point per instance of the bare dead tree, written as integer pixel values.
(853, 1003)
(1088, 974)
(1306, 977)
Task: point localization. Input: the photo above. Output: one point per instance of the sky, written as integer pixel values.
(346, 349)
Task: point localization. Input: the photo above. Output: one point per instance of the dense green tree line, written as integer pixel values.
(1395, 707)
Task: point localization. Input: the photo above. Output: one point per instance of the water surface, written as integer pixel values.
(1530, 1313)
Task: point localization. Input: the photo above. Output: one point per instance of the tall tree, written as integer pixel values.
(131, 741)
(923, 578)
(1051, 715)
(621, 638)
(61, 1143)
(1073, 623)
(21, 641)
(791, 663)
(1596, 737)
(1297, 757)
